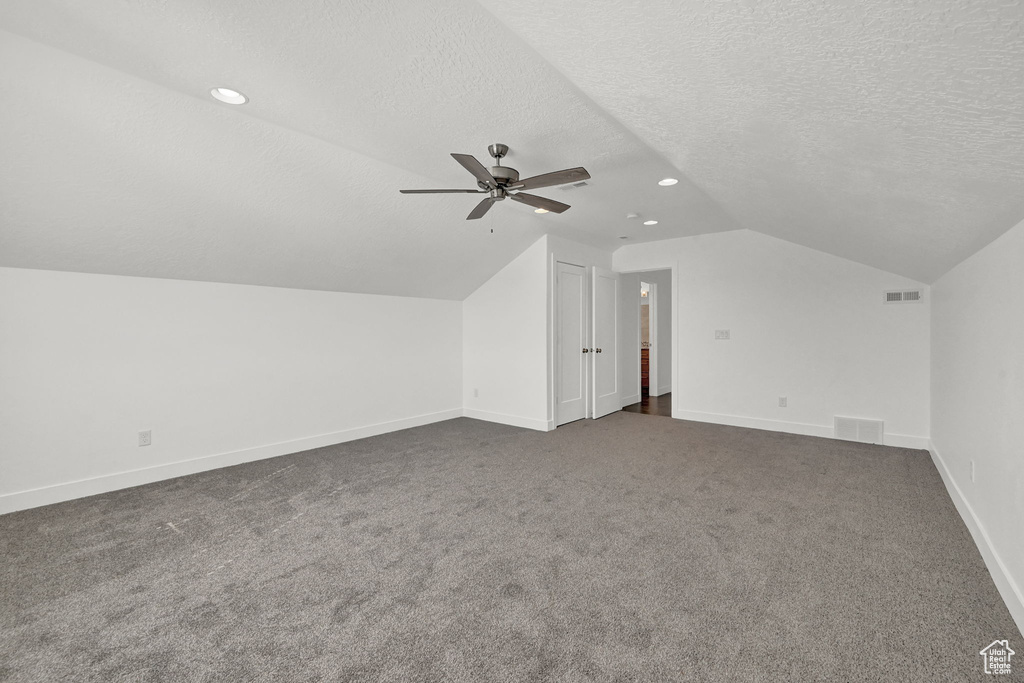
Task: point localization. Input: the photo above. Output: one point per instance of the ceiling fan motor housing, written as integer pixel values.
(505, 175)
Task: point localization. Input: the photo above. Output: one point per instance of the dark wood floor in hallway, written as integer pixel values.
(652, 405)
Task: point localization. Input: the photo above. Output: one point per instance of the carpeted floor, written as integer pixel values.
(630, 548)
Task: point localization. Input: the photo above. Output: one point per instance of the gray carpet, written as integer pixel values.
(631, 548)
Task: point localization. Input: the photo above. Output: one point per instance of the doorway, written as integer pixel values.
(648, 331)
(652, 302)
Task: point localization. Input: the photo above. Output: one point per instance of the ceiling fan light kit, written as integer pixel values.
(502, 182)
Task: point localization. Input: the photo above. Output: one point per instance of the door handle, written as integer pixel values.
(586, 350)
(597, 350)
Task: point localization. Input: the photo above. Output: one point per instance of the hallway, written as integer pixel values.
(652, 405)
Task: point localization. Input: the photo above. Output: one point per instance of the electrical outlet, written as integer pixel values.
(783, 401)
(146, 437)
(721, 334)
(476, 393)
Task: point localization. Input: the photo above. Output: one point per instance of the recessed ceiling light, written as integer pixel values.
(540, 210)
(229, 96)
(650, 222)
(668, 181)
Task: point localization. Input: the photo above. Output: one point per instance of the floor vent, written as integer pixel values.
(904, 296)
(854, 429)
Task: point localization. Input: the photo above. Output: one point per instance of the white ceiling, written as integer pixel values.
(887, 133)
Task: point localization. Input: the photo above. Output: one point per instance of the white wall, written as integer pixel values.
(978, 403)
(804, 324)
(504, 342)
(218, 372)
(578, 254)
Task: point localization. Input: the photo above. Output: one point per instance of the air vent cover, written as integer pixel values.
(855, 429)
(582, 183)
(904, 296)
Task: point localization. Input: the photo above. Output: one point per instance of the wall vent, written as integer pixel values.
(582, 183)
(855, 429)
(904, 296)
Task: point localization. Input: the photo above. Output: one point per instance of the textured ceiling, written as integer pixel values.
(118, 161)
(890, 135)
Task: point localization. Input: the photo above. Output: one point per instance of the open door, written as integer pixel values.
(629, 338)
(605, 360)
(653, 348)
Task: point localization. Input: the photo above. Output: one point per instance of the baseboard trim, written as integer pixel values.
(907, 441)
(512, 420)
(1008, 589)
(754, 423)
(58, 493)
(827, 432)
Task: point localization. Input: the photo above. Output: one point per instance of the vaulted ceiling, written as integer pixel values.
(888, 133)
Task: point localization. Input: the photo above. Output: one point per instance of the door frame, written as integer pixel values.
(674, 315)
(554, 257)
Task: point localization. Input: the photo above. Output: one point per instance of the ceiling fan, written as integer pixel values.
(502, 182)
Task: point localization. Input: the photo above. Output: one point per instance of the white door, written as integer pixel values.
(652, 333)
(572, 352)
(629, 338)
(605, 359)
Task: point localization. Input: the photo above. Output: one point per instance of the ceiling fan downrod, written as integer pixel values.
(497, 150)
(503, 175)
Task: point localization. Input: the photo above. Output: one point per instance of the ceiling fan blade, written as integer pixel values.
(440, 191)
(540, 202)
(481, 208)
(569, 175)
(470, 163)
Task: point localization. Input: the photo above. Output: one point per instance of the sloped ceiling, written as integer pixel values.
(887, 133)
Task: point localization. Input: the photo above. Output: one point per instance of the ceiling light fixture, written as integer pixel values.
(650, 222)
(540, 210)
(229, 96)
(668, 181)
